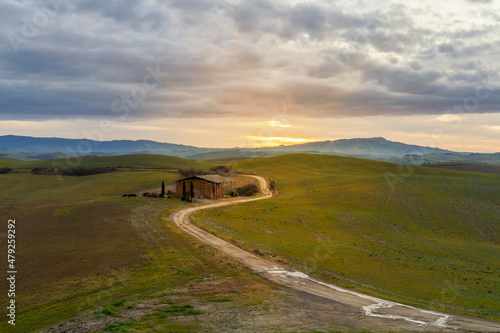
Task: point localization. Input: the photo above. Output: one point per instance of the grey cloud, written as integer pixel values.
(427, 54)
(446, 48)
(391, 42)
(471, 33)
(126, 12)
(415, 65)
(307, 17)
(478, 1)
(470, 51)
(237, 58)
(401, 79)
(325, 69)
(250, 16)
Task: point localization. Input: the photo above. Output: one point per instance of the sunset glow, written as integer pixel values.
(276, 141)
(218, 73)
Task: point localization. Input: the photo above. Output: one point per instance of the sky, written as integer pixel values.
(241, 73)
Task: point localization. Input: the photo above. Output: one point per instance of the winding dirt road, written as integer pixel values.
(398, 316)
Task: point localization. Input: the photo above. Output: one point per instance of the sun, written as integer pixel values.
(260, 141)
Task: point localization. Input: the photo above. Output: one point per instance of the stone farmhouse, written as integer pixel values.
(204, 187)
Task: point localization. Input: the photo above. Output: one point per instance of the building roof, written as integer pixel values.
(211, 178)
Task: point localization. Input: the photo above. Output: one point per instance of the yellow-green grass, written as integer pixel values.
(74, 258)
(21, 187)
(79, 248)
(10, 162)
(472, 167)
(227, 160)
(433, 241)
(27, 188)
(72, 242)
(440, 158)
(134, 160)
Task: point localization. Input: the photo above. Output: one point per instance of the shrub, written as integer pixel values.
(176, 310)
(222, 170)
(119, 302)
(186, 173)
(67, 171)
(183, 272)
(108, 311)
(116, 327)
(43, 171)
(247, 190)
(5, 170)
(272, 185)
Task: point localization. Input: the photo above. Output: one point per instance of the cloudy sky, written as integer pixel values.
(231, 73)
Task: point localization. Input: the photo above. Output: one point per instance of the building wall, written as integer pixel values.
(202, 189)
(220, 190)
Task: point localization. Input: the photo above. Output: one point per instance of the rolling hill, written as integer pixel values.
(430, 239)
(85, 254)
(18, 144)
(374, 147)
(133, 160)
(471, 167)
(49, 148)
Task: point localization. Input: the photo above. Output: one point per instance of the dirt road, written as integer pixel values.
(398, 316)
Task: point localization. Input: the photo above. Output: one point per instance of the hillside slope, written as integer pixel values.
(431, 239)
(470, 167)
(27, 144)
(133, 160)
(88, 257)
(379, 147)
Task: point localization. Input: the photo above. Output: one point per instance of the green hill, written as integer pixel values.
(134, 160)
(472, 167)
(9, 162)
(446, 158)
(22, 187)
(430, 239)
(84, 250)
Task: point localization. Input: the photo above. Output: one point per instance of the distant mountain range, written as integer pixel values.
(47, 148)
(370, 147)
(378, 147)
(26, 144)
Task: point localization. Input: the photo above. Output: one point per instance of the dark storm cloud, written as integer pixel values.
(187, 58)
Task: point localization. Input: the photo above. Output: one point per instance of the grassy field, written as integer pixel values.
(444, 158)
(81, 247)
(31, 156)
(430, 240)
(9, 162)
(227, 160)
(471, 167)
(113, 264)
(120, 264)
(26, 188)
(79, 243)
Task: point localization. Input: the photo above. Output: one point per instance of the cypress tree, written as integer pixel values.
(162, 189)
